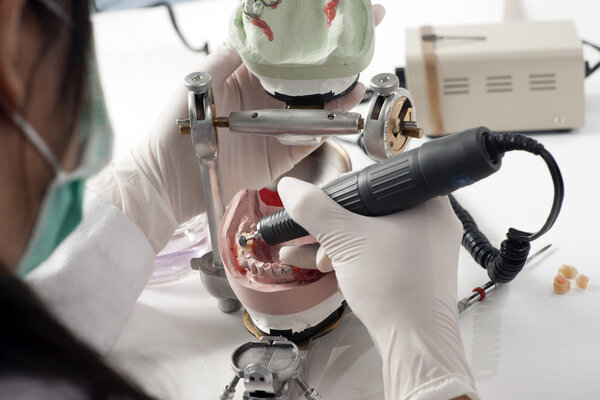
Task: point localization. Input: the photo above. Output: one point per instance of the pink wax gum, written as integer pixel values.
(269, 298)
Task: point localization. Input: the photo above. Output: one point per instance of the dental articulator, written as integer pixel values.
(273, 366)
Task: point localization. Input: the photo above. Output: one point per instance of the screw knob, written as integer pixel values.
(198, 82)
(385, 84)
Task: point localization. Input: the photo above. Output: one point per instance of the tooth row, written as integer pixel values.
(264, 269)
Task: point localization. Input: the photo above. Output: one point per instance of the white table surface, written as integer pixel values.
(522, 342)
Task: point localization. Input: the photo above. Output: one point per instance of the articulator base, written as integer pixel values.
(270, 368)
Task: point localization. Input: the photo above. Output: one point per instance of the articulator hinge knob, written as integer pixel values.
(198, 82)
(385, 84)
(390, 122)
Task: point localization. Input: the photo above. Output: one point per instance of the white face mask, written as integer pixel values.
(61, 209)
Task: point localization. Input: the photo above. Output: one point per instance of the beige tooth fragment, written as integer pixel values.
(568, 271)
(582, 281)
(561, 285)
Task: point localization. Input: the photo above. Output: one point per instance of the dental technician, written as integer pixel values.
(69, 282)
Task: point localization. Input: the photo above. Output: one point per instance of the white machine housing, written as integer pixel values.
(525, 76)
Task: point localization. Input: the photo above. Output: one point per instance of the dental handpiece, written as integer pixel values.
(437, 168)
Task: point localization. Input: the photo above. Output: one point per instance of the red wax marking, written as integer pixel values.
(330, 11)
(481, 293)
(237, 262)
(274, 6)
(260, 250)
(307, 275)
(264, 26)
(270, 197)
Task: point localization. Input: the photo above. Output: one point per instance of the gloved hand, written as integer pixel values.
(157, 185)
(398, 274)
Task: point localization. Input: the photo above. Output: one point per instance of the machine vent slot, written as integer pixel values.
(499, 83)
(456, 85)
(542, 82)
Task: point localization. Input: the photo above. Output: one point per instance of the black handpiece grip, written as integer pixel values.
(436, 168)
(278, 228)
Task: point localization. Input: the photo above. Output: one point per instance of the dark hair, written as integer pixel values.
(73, 86)
(32, 343)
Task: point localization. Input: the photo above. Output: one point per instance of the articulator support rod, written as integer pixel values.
(203, 131)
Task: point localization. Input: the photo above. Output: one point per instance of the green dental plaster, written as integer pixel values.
(294, 41)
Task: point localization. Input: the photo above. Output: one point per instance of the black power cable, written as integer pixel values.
(503, 265)
(588, 69)
(203, 49)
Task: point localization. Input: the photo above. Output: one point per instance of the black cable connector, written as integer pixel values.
(203, 49)
(503, 265)
(589, 70)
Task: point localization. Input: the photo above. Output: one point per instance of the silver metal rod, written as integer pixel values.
(432, 37)
(490, 286)
(200, 101)
(229, 391)
(215, 208)
(309, 393)
(467, 302)
(295, 122)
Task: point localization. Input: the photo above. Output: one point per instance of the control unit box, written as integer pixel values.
(516, 76)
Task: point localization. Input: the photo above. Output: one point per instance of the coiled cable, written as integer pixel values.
(503, 265)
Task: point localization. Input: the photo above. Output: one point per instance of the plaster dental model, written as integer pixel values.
(301, 49)
(278, 297)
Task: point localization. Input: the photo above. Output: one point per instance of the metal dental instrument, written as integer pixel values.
(387, 129)
(243, 240)
(481, 292)
(436, 168)
(432, 37)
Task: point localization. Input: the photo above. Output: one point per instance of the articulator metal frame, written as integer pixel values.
(387, 129)
(269, 368)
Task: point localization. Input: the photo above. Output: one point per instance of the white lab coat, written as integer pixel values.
(90, 284)
(94, 278)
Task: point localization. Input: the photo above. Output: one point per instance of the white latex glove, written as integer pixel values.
(398, 274)
(157, 185)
